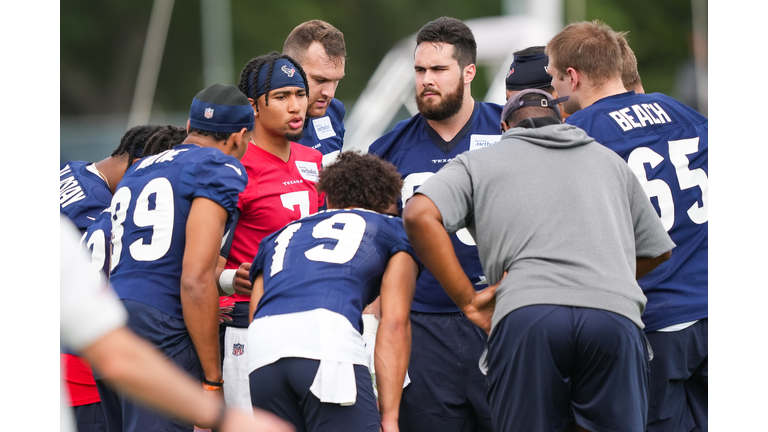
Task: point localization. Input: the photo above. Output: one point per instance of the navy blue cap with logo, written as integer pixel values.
(284, 74)
(221, 108)
(528, 71)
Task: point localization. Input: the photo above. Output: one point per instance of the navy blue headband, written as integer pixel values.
(227, 111)
(528, 72)
(284, 74)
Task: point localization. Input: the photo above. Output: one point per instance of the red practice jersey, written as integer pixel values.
(277, 193)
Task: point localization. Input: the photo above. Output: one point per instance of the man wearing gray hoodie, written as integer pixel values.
(563, 229)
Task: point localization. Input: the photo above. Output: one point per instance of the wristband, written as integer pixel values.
(227, 281)
(213, 383)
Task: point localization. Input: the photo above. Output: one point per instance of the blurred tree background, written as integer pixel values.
(102, 43)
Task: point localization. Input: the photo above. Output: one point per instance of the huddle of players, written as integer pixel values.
(305, 285)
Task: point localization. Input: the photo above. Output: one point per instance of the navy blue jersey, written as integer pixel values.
(149, 219)
(326, 134)
(665, 143)
(96, 241)
(82, 193)
(334, 260)
(419, 152)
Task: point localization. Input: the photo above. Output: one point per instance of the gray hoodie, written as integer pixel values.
(565, 216)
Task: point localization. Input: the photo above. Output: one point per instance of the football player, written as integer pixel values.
(665, 143)
(98, 235)
(306, 355)
(320, 50)
(281, 189)
(445, 343)
(168, 219)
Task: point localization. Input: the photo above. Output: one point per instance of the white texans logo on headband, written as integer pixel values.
(288, 71)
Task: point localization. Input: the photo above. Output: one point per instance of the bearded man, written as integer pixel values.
(447, 391)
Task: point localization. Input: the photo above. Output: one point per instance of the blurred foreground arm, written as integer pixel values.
(93, 323)
(135, 367)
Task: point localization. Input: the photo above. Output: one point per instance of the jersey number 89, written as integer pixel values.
(160, 219)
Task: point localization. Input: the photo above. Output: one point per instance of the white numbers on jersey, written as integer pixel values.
(690, 178)
(160, 219)
(282, 244)
(292, 199)
(95, 243)
(119, 209)
(349, 237)
(686, 177)
(413, 181)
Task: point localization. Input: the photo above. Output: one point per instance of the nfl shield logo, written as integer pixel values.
(238, 350)
(208, 113)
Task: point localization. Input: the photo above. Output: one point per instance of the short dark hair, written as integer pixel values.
(255, 64)
(298, 41)
(165, 139)
(133, 141)
(454, 32)
(529, 51)
(525, 112)
(363, 181)
(217, 136)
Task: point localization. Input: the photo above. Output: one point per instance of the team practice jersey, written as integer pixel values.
(332, 260)
(277, 193)
(96, 242)
(149, 219)
(326, 134)
(419, 152)
(665, 143)
(82, 193)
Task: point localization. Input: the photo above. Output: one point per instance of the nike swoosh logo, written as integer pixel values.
(237, 170)
(93, 219)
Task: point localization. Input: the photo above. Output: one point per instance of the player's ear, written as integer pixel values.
(469, 73)
(254, 106)
(504, 126)
(187, 126)
(238, 137)
(574, 77)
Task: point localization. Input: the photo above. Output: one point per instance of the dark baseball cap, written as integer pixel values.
(528, 71)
